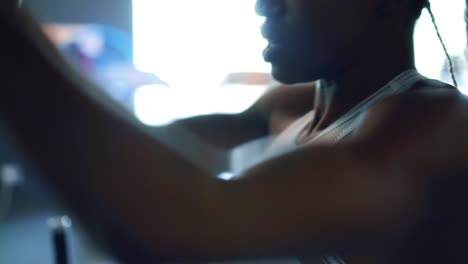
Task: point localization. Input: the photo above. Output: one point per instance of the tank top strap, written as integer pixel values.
(348, 122)
(431, 84)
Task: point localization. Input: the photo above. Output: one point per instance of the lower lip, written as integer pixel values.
(272, 52)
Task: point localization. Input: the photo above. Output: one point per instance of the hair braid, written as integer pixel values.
(427, 5)
(418, 6)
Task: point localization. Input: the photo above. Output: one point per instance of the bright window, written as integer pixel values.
(430, 57)
(194, 46)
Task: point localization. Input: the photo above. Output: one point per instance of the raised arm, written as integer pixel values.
(225, 131)
(360, 191)
(269, 115)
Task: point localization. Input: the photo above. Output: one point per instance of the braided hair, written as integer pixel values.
(418, 6)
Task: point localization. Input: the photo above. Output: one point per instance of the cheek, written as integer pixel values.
(316, 23)
(342, 32)
(322, 39)
(316, 38)
(333, 21)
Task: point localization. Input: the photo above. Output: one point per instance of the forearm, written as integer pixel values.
(91, 155)
(225, 131)
(177, 137)
(209, 140)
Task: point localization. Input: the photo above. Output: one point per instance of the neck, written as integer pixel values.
(370, 73)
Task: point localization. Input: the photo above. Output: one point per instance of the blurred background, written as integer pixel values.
(171, 59)
(165, 60)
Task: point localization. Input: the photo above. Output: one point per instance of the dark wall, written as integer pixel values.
(117, 13)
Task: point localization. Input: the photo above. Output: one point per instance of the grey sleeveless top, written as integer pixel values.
(252, 153)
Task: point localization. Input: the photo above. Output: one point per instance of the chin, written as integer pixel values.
(293, 74)
(290, 73)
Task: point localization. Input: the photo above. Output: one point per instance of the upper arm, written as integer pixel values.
(418, 130)
(283, 104)
(225, 131)
(368, 189)
(293, 98)
(272, 110)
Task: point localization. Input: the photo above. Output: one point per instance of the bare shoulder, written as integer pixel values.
(424, 131)
(427, 111)
(425, 135)
(442, 98)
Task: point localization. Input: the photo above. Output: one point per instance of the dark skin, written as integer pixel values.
(364, 196)
(270, 115)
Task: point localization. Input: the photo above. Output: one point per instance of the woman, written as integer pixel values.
(371, 159)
